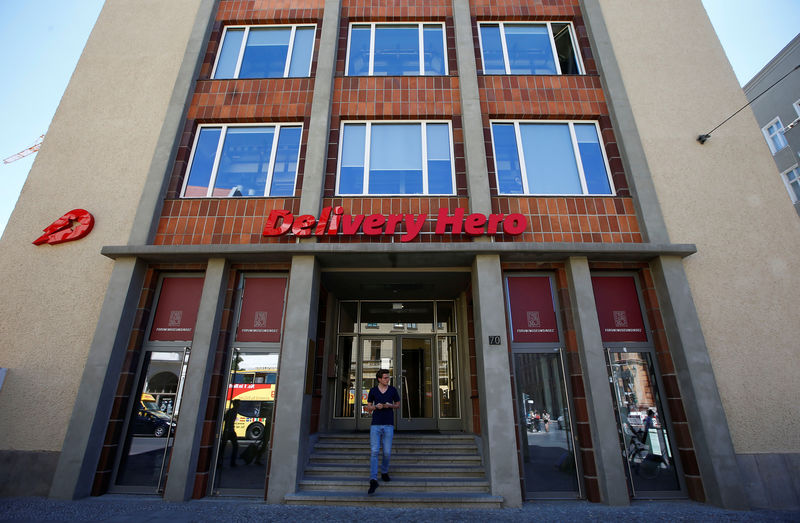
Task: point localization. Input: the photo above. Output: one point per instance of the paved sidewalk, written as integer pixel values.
(117, 508)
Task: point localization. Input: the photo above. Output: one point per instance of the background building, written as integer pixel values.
(505, 205)
(778, 112)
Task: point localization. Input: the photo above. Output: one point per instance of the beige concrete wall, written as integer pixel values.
(724, 197)
(95, 156)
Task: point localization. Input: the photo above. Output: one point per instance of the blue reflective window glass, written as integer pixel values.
(395, 159)
(244, 162)
(301, 51)
(506, 157)
(594, 166)
(550, 159)
(265, 53)
(396, 50)
(529, 49)
(440, 172)
(202, 162)
(358, 61)
(493, 62)
(229, 55)
(351, 164)
(434, 49)
(285, 171)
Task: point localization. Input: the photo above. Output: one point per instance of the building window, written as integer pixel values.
(525, 48)
(792, 180)
(773, 132)
(396, 50)
(243, 160)
(545, 157)
(265, 52)
(378, 158)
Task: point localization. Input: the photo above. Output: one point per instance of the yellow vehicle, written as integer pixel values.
(255, 390)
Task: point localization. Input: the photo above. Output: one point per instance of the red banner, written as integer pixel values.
(533, 319)
(262, 310)
(618, 308)
(176, 313)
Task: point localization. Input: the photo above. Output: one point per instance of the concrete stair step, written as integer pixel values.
(399, 470)
(399, 447)
(430, 485)
(397, 458)
(396, 499)
(398, 436)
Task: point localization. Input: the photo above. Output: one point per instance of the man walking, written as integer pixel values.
(381, 402)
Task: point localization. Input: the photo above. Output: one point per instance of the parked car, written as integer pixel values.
(150, 420)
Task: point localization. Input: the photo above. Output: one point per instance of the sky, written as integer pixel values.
(41, 41)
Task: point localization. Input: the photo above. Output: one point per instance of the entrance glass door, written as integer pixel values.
(548, 442)
(417, 342)
(151, 422)
(416, 384)
(645, 441)
(376, 353)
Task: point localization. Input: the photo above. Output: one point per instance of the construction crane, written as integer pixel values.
(22, 154)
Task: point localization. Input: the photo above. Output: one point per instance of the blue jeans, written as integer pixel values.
(380, 434)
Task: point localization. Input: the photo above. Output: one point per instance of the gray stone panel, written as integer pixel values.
(474, 151)
(83, 442)
(611, 478)
(634, 159)
(319, 123)
(494, 387)
(183, 462)
(16, 478)
(771, 480)
(292, 406)
(151, 201)
(707, 422)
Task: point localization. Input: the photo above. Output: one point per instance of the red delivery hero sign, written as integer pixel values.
(618, 309)
(333, 221)
(176, 313)
(533, 319)
(262, 310)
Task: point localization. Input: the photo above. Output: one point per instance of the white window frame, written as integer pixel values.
(768, 136)
(367, 143)
(575, 151)
(506, 62)
(245, 36)
(218, 156)
(788, 184)
(421, 46)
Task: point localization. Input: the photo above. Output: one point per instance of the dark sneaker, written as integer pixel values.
(373, 484)
(385, 477)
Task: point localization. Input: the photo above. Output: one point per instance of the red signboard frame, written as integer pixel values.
(176, 312)
(533, 317)
(618, 309)
(261, 317)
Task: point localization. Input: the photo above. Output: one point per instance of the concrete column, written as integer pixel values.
(320, 121)
(471, 121)
(611, 478)
(292, 405)
(151, 201)
(634, 159)
(83, 442)
(494, 383)
(183, 463)
(701, 400)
